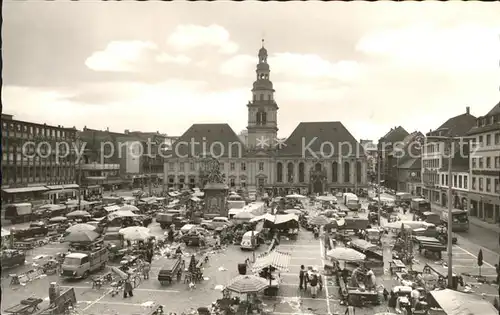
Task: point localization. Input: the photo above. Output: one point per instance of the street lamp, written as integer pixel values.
(449, 140)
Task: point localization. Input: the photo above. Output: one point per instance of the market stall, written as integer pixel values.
(457, 303)
(269, 265)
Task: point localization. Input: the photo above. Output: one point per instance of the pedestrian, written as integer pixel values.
(302, 277)
(314, 283)
(127, 288)
(350, 309)
(146, 268)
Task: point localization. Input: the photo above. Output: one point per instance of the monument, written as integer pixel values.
(215, 189)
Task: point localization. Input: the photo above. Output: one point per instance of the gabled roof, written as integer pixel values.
(495, 110)
(394, 135)
(313, 134)
(458, 126)
(219, 140)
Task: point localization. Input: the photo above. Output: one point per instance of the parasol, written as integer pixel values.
(319, 220)
(78, 213)
(58, 219)
(121, 214)
(296, 196)
(80, 227)
(81, 237)
(345, 254)
(244, 284)
(129, 208)
(135, 233)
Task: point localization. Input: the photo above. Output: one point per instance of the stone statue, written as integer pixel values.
(215, 175)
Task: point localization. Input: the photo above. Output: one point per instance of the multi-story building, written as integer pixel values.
(386, 161)
(311, 159)
(122, 160)
(406, 158)
(435, 160)
(371, 153)
(484, 193)
(38, 161)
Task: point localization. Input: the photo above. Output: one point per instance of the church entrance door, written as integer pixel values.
(318, 187)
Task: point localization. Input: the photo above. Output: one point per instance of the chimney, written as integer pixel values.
(127, 131)
(107, 129)
(467, 110)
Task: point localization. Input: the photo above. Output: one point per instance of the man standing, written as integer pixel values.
(127, 288)
(302, 277)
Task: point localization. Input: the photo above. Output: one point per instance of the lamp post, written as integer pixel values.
(449, 141)
(379, 182)
(78, 160)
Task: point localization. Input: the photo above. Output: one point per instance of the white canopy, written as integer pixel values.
(458, 303)
(296, 196)
(121, 214)
(112, 208)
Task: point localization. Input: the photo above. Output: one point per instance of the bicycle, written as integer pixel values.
(136, 280)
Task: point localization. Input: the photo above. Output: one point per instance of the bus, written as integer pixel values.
(420, 205)
(351, 201)
(460, 220)
(403, 197)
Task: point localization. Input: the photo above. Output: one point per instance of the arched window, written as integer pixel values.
(317, 167)
(264, 118)
(301, 172)
(358, 172)
(279, 172)
(254, 97)
(347, 172)
(335, 172)
(261, 97)
(258, 117)
(290, 174)
(268, 97)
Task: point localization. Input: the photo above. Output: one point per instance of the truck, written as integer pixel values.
(35, 229)
(11, 258)
(19, 212)
(80, 265)
(351, 201)
(167, 219)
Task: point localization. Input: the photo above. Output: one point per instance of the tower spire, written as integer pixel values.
(262, 42)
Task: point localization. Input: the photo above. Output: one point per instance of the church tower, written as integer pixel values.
(262, 110)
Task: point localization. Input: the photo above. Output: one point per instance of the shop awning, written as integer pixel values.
(277, 259)
(71, 186)
(55, 187)
(95, 177)
(458, 303)
(60, 191)
(24, 189)
(94, 187)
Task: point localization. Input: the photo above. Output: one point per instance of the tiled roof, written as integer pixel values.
(458, 126)
(215, 136)
(313, 134)
(495, 110)
(411, 163)
(394, 135)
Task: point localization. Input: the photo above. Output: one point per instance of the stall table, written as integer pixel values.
(396, 266)
(360, 298)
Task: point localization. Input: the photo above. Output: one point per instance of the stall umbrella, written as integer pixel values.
(135, 233)
(81, 237)
(129, 208)
(345, 254)
(78, 213)
(58, 219)
(245, 284)
(319, 220)
(80, 227)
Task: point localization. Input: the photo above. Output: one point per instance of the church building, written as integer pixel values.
(317, 157)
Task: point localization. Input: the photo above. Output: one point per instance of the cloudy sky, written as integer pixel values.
(163, 66)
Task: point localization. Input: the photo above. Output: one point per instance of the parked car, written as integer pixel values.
(215, 223)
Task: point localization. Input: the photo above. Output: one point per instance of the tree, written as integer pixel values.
(480, 260)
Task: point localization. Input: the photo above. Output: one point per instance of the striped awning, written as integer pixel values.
(277, 259)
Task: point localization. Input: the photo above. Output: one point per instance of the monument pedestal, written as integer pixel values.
(215, 199)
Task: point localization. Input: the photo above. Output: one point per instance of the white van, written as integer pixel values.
(246, 241)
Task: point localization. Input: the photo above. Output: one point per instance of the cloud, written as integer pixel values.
(170, 106)
(467, 47)
(296, 65)
(179, 59)
(120, 56)
(187, 37)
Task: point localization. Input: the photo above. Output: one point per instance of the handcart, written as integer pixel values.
(170, 270)
(27, 306)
